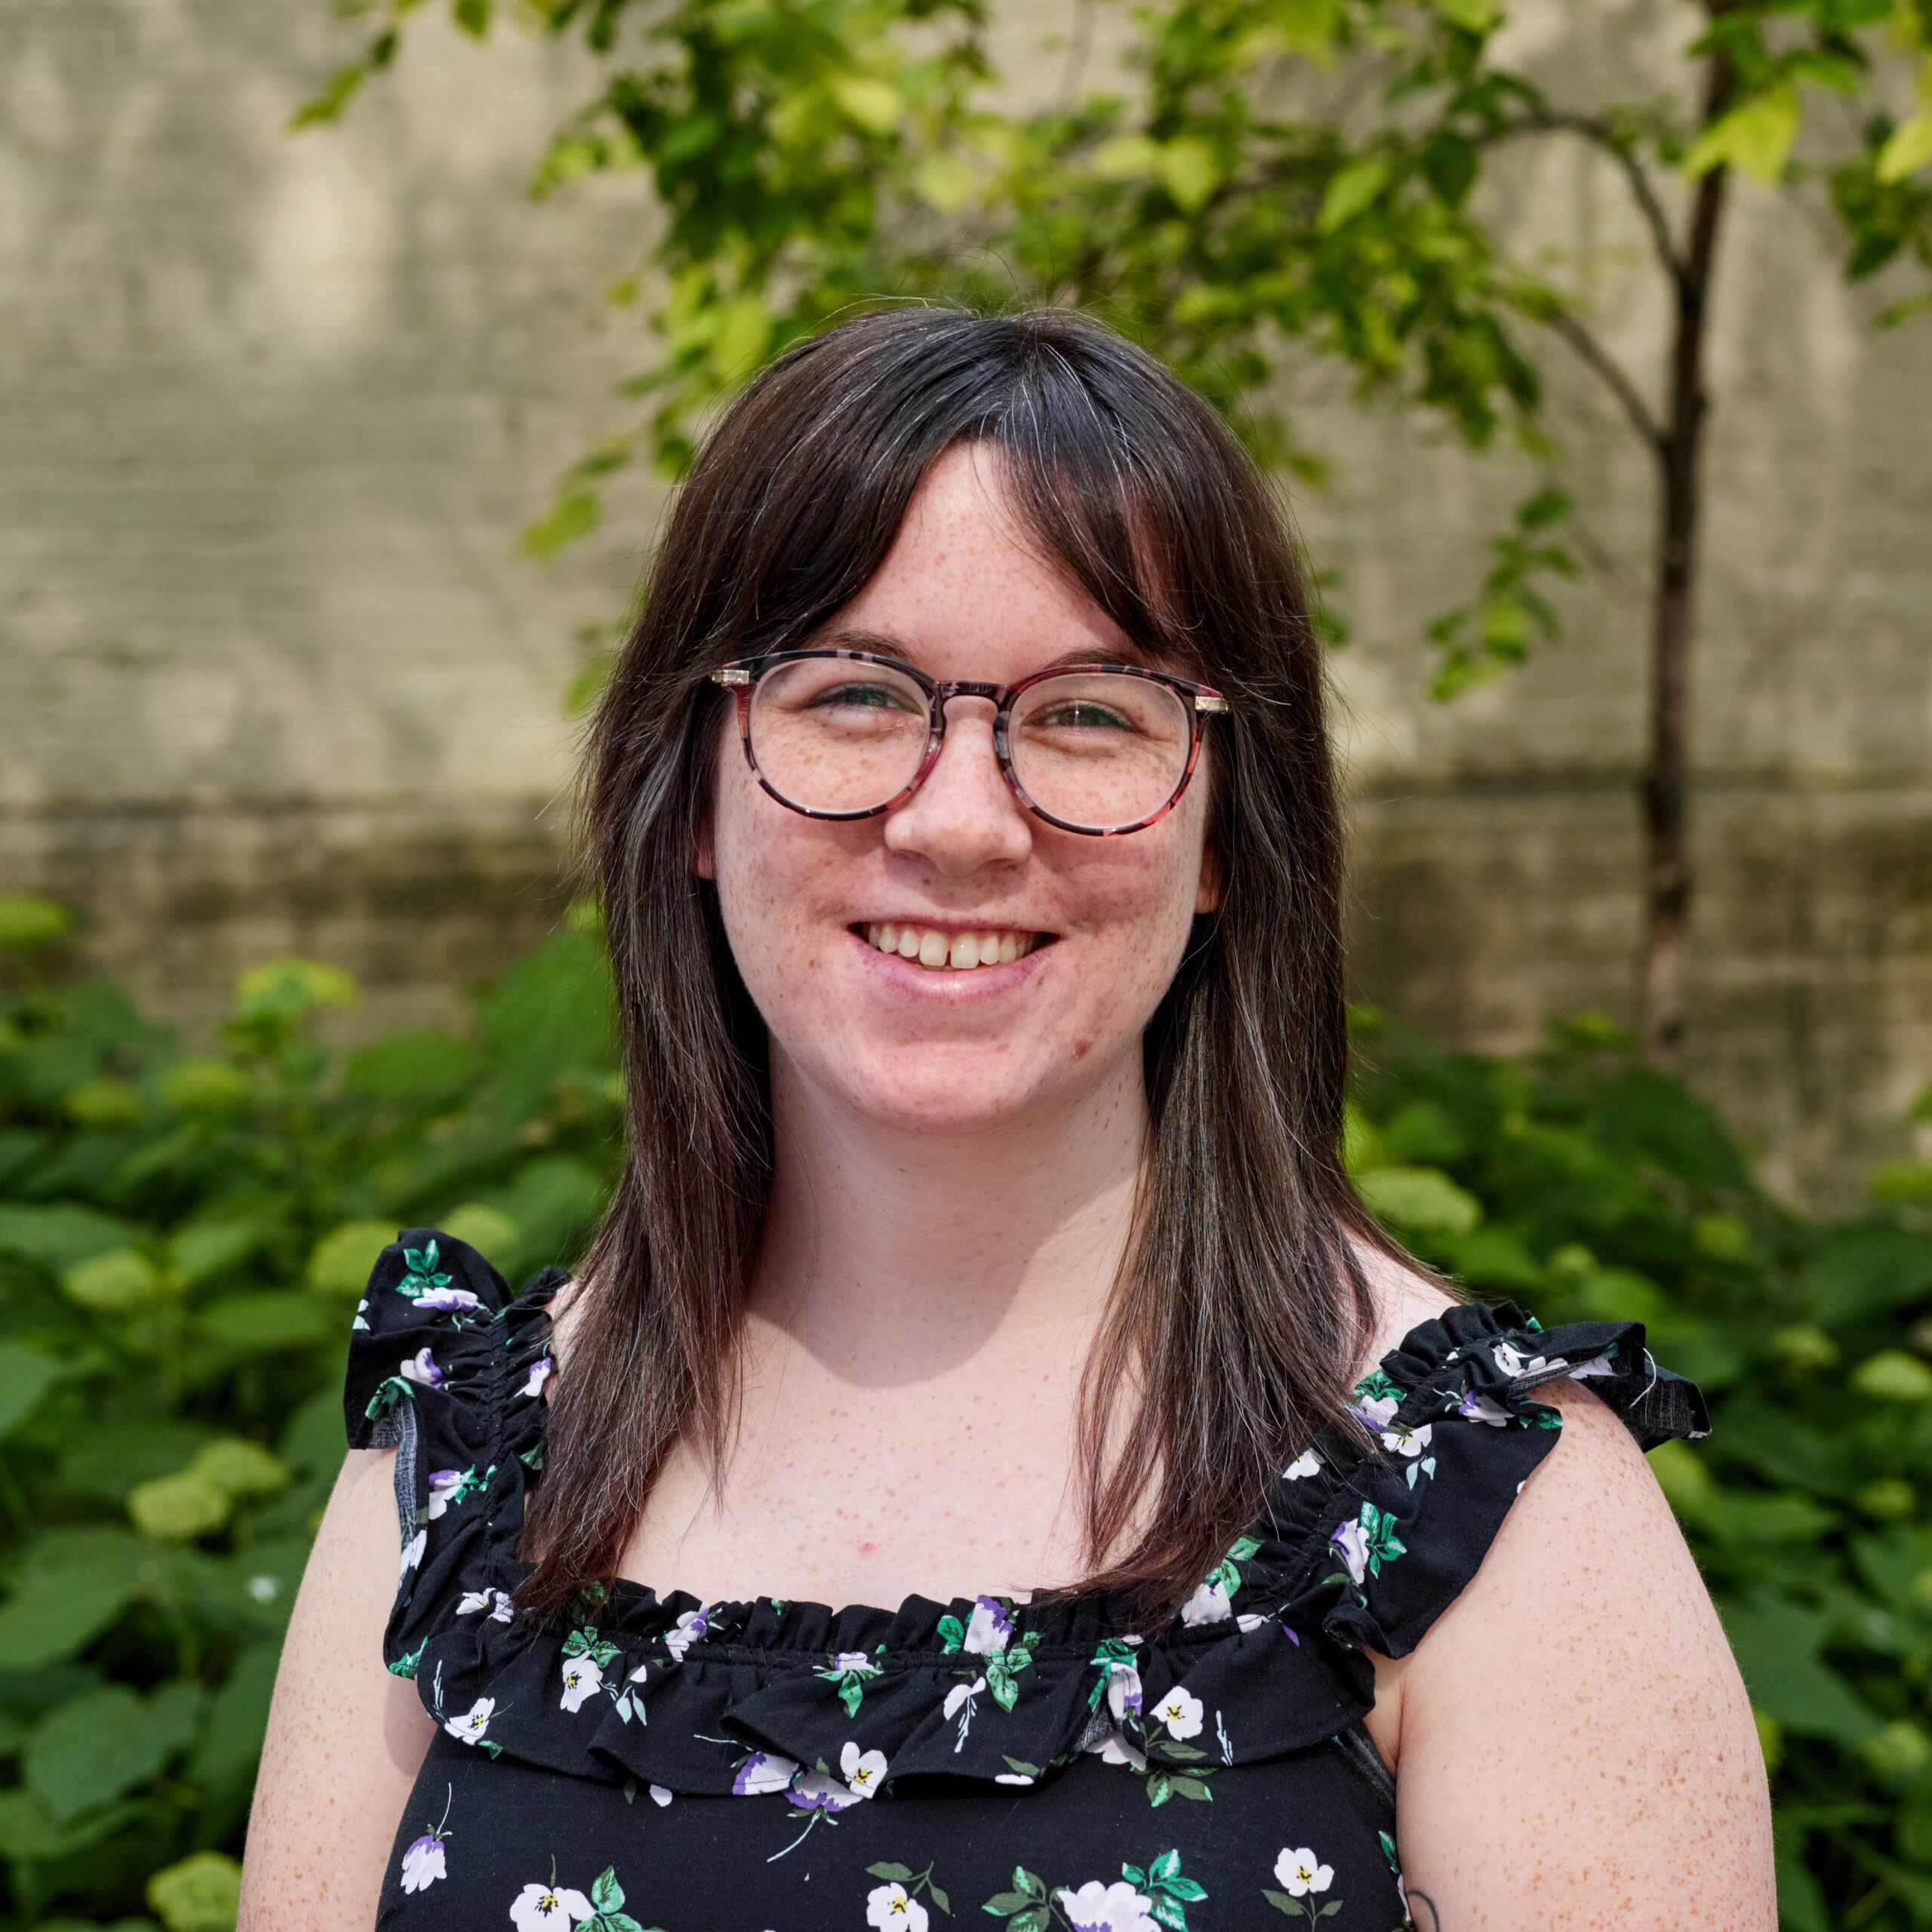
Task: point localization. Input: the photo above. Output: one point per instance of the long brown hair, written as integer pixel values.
(1241, 1311)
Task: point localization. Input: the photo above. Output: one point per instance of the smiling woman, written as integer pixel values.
(985, 1264)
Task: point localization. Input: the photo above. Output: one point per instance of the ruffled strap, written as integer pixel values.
(448, 1366)
(1370, 1537)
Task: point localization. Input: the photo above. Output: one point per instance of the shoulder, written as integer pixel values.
(1579, 1690)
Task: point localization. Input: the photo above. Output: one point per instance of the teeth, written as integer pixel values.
(952, 951)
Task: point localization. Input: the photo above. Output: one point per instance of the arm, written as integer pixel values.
(345, 1738)
(1575, 1745)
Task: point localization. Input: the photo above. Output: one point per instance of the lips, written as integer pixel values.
(940, 949)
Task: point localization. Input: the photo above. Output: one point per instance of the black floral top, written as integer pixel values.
(775, 1766)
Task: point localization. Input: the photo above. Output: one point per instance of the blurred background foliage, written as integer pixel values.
(183, 1238)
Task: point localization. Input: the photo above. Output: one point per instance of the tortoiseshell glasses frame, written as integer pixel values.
(1201, 702)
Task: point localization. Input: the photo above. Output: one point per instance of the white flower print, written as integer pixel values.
(1299, 1872)
(1378, 1411)
(819, 1791)
(583, 1677)
(690, 1626)
(962, 1693)
(1511, 1363)
(1115, 1749)
(442, 1484)
(1405, 1441)
(1180, 1713)
(660, 1795)
(1352, 1539)
(1123, 1690)
(762, 1771)
(1477, 1407)
(541, 1907)
(362, 1314)
(1596, 1365)
(423, 1863)
(1307, 1463)
(474, 1722)
(448, 1301)
(1208, 1605)
(1012, 1778)
(890, 1908)
(539, 1373)
(1101, 1908)
(412, 1552)
(856, 1661)
(421, 1366)
(497, 1602)
(990, 1627)
(863, 1771)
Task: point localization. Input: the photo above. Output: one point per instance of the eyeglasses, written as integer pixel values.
(1097, 748)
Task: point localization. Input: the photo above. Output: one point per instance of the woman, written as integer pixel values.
(962, 813)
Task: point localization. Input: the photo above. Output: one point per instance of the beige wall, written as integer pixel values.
(272, 409)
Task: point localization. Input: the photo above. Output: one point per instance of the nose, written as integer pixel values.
(964, 818)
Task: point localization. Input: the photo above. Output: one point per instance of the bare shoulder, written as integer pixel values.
(1580, 1691)
(1404, 1298)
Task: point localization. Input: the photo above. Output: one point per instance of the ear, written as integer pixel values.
(1207, 895)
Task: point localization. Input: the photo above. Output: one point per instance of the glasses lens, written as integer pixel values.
(1099, 750)
(832, 735)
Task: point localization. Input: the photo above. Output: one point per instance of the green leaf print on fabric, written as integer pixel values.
(421, 1275)
(894, 1905)
(1305, 1876)
(847, 1672)
(1138, 1901)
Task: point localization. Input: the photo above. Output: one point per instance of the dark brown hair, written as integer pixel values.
(1241, 1311)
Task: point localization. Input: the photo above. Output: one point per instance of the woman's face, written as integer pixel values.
(1100, 925)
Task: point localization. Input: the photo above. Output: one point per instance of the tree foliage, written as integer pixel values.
(183, 1237)
(1270, 178)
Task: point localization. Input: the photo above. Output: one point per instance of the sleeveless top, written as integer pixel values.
(773, 1766)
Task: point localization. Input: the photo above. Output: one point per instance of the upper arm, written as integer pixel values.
(345, 1738)
(1576, 1747)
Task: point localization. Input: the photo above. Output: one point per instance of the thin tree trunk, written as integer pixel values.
(1665, 786)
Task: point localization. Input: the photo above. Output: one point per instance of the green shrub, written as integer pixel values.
(182, 1240)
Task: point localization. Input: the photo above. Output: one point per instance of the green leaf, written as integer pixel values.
(1472, 16)
(287, 988)
(30, 924)
(1423, 1198)
(1351, 189)
(1893, 1375)
(938, 1898)
(1164, 1866)
(263, 1322)
(198, 1251)
(237, 1718)
(1189, 169)
(341, 1261)
(1908, 148)
(1282, 1902)
(90, 1751)
(202, 1893)
(112, 1283)
(411, 1067)
(1003, 1905)
(877, 105)
(606, 1894)
(29, 1831)
(58, 1606)
(1857, 1272)
(1777, 1644)
(1125, 158)
(1755, 137)
(25, 1375)
(893, 1874)
(60, 1233)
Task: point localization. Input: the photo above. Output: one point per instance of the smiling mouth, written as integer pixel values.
(941, 952)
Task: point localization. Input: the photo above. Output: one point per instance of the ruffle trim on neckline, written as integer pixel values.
(1370, 1534)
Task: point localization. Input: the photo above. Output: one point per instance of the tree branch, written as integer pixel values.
(1606, 366)
(1642, 191)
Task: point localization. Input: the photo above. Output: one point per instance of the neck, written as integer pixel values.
(892, 1256)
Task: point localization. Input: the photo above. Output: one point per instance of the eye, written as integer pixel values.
(1082, 714)
(859, 695)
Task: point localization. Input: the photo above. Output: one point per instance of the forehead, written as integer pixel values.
(966, 592)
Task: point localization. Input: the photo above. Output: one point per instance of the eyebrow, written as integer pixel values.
(884, 644)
